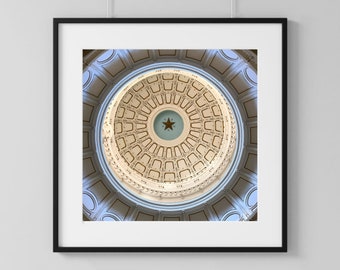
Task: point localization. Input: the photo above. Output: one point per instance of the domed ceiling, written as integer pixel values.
(170, 135)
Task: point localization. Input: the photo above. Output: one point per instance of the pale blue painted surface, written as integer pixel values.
(168, 133)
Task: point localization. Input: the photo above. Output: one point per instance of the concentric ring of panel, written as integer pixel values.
(161, 168)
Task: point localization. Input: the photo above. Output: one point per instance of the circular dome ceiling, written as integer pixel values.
(168, 136)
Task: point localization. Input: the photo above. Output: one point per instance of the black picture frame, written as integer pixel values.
(58, 170)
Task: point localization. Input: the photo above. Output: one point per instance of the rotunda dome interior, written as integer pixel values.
(169, 135)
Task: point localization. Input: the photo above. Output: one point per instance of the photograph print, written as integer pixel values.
(170, 135)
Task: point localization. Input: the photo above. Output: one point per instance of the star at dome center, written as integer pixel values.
(168, 124)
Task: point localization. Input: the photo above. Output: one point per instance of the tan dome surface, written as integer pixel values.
(169, 135)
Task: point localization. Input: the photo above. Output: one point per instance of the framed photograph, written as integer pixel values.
(170, 135)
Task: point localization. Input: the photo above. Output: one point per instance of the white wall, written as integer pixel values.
(26, 134)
